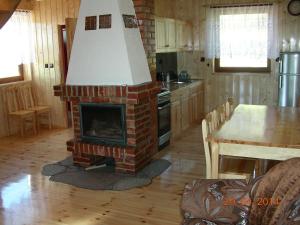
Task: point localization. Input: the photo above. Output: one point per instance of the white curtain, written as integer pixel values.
(246, 31)
(16, 44)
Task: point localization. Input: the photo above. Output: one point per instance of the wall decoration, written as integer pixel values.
(130, 21)
(91, 23)
(294, 7)
(105, 21)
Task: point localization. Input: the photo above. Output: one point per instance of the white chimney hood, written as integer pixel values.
(107, 56)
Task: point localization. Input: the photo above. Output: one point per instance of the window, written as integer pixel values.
(16, 47)
(242, 38)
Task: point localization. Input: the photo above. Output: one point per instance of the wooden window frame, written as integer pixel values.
(20, 77)
(219, 69)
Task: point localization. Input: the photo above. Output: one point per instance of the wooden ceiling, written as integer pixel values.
(7, 7)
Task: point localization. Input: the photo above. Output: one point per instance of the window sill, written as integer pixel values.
(15, 83)
(241, 74)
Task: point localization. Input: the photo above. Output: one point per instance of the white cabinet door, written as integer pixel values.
(160, 34)
(171, 34)
(180, 42)
(188, 36)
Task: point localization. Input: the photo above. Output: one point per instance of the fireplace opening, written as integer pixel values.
(103, 123)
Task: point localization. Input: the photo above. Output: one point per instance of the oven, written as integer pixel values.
(164, 118)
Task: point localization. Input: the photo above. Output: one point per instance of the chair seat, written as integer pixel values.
(40, 109)
(22, 113)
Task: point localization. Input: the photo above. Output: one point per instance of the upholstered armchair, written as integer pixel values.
(273, 199)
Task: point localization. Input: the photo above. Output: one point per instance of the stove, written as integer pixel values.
(164, 118)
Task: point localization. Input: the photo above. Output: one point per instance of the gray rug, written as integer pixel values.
(102, 178)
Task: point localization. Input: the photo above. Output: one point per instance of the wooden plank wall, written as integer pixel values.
(48, 15)
(249, 89)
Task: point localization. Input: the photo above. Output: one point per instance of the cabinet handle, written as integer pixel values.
(167, 46)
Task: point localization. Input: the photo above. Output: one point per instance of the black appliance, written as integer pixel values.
(166, 66)
(164, 118)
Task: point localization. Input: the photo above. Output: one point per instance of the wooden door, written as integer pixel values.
(180, 42)
(185, 112)
(188, 36)
(200, 106)
(70, 31)
(170, 34)
(175, 119)
(193, 108)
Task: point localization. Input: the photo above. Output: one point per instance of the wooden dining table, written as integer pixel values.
(259, 132)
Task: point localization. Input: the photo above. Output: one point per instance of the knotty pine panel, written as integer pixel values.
(47, 15)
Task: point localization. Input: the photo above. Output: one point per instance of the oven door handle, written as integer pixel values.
(165, 106)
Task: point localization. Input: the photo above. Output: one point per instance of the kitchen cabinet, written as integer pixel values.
(173, 35)
(187, 107)
(165, 30)
(176, 118)
(160, 34)
(180, 37)
(185, 112)
(184, 35)
(170, 34)
(188, 36)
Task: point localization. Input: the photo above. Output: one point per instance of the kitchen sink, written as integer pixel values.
(179, 82)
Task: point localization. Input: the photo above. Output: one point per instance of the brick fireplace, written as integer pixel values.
(140, 103)
(133, 147)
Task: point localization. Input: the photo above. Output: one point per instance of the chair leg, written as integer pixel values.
(34, 124)
(8, 125)
(50, 120)
(37, 123)
(21, 122)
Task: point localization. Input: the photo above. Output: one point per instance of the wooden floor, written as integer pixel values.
(27, 197)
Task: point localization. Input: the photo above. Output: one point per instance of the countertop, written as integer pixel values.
(173, 86)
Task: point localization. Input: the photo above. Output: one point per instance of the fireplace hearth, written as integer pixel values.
(103, 123)
(113, 121)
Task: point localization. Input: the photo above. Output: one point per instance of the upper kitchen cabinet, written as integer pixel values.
(160, 35)
(173, 35)
(165, 30)
(188, 36)
(184, 35)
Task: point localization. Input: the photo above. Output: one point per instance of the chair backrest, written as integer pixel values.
(222, 113)
(215, 119)
(205, 132)
(26, 96)
(11, 99)
(229, 107)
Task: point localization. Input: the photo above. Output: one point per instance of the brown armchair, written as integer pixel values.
(273, 199)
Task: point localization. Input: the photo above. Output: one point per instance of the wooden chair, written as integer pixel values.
(229, 168)
(229, 107)
(17, 113)
(29, 102)
(221, 113)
